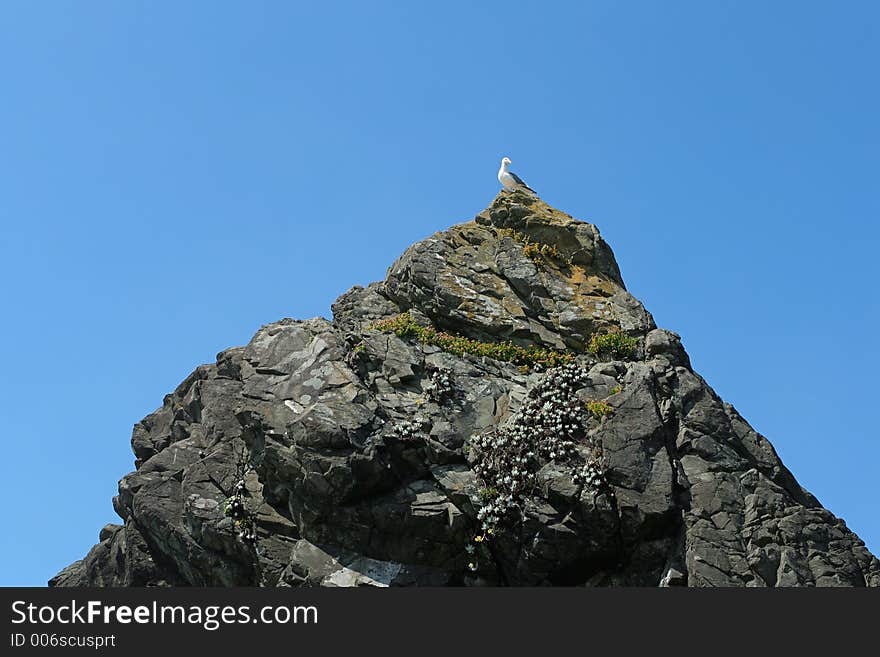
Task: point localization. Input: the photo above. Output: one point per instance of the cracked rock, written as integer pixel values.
(355, 445)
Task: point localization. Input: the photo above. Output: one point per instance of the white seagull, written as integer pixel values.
(508, 179)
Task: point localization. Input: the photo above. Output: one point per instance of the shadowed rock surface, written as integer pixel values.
(351, 450)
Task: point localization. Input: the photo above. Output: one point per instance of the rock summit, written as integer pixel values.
(498, 411)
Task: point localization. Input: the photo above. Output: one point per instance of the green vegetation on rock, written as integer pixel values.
(533, 249)
(488, 494)
(616, 343)
(404, 326)
(599, 408)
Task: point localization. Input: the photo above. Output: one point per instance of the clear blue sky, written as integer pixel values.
(174, 175)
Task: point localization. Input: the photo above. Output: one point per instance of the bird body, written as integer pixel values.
(508, 179)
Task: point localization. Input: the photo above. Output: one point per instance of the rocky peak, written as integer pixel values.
(498, 410)
(520, 271)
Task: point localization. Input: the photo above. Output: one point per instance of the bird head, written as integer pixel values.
(505, 161)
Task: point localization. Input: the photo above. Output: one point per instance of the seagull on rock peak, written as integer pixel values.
(509, 180)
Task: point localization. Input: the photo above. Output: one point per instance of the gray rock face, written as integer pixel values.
(351, 449)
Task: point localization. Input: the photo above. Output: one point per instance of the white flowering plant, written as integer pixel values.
(551, 426)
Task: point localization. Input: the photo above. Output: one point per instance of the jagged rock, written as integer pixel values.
(351, 448)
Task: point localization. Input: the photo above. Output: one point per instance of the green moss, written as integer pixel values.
(488, 494)
(616, 343)
(599, 408)
(404, 326)
(533, 249)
